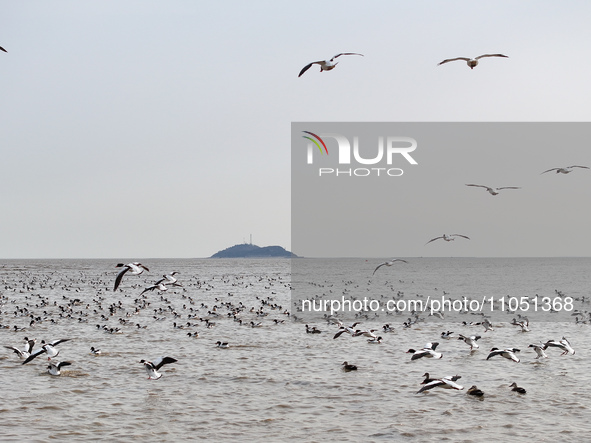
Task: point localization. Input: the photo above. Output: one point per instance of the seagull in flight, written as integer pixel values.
(471, 62)
(136, 269)
(388, 263)
(152, 367)
(326, 65)
(493, 191)
(566, 170)
(447, 237)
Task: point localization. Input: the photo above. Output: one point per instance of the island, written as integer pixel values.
(248, 250)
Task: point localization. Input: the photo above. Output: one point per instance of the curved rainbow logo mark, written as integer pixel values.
(315, 142)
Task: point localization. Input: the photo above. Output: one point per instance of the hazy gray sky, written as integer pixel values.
(162, 129)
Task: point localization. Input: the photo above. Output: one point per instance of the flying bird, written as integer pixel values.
(565, 170)
(26, 350)
(158, 285)
(471, 62)
(152, 367)
(326, 65)
(445, 382)
(428, 351)
(447, 237)
(48, 348)
(136, 269)
(388, 263)
(494, 191)
(508, 353)
(563, 344)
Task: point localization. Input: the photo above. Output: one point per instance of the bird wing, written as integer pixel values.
(2, 49)
(379, 266)
(57, 342)
(63, 363)
(493, 353)
(449, 384)
(338, 334)
(508, 187)
(120, 276)
(34, 355)
(433, 239)
(16, 351)
(575, 166)
(460, 235)
(345, 53)
(491, 55)
(479, 186)
(307, 67)
(453, 60)
(161, 361)
(553, 169)
(431, 385)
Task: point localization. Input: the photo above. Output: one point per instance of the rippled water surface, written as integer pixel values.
(276, 382)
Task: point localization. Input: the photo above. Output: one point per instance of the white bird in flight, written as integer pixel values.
(136, 269)
(447, 237)
(326, 65)
(388, 263)
(494, 191)
(565, 170)
(472, 62)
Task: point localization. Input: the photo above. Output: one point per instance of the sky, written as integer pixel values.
(163, 129)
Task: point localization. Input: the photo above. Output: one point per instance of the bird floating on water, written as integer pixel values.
(347, 367)
(471, 62)
(517, 389)
(55, 368)
(326, 65)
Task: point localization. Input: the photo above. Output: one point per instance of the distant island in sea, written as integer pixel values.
(248, 250)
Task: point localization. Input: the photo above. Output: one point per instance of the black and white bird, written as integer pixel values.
(55, 368)
(508, 353)
(540, 350)
(48, 348)
(152, 367)
(471, 62)
(563, 344)
(494, 191)
(171, 279)
(135, 267)
(471, 340)
(427, 351)
(223, 345)
(26, 350)
(158, 285)
(565, 170)
(447, 237)
(389, 263)
(94, 351)
(445, 383)
(326, 65)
